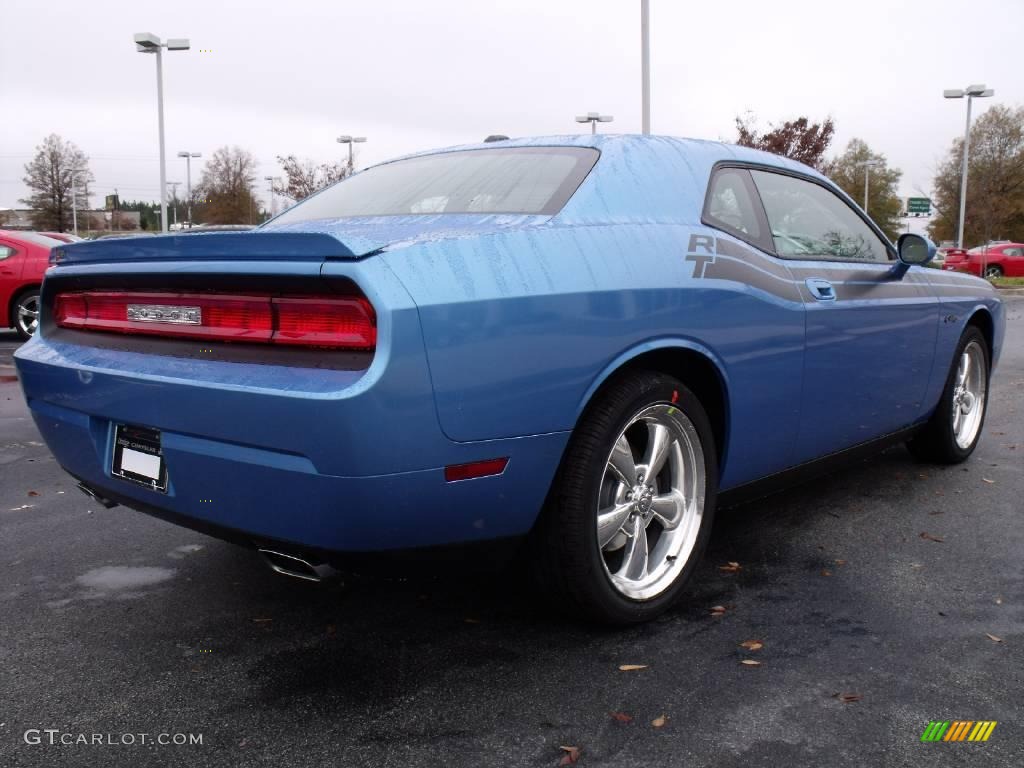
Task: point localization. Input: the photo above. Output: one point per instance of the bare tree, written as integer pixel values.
(798, 139)
(225, 190)
(50, 176)
(307, 176)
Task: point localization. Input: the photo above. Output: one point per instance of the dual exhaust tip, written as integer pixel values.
(296, 567)
(279, 562)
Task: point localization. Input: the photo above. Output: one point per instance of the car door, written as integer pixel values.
(1013, 261)
(12, 258)
(870, 338)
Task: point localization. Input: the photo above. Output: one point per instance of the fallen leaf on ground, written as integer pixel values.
(751, 663)
(999, 601)
(987, 480)
(622, 717)
(571, 756)
(839, 562)
(472, 621)
(826, 572)
(33, 493)
(659, 722)
(847, 698)
(260, 621)
(718, 610)
(929, 537)
(730, 567)
(752, 645)
(993, 638)
(331, 631)
(631, 667)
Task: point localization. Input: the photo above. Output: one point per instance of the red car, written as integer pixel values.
(64, 237)
(24, 257)
(1002, 260)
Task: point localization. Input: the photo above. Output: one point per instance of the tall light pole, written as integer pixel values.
(867, 165)
(174, 191)
(273, 200)
(645, 65)
(146, 42)
(350, 140)
(977, 91)
(188, 180)
(594, 118)
(74, 200)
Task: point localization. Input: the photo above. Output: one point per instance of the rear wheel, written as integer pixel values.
(993, 271)
(630, 512)
(25, 313)
(954, 429)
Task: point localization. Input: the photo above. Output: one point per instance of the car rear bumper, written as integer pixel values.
(261, 495)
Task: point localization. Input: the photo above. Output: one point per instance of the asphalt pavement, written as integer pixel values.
(882, 597)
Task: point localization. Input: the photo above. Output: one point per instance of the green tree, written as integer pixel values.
(49, 175)
(225, 192)
(995, 182)
(798, 139)
(884, 204)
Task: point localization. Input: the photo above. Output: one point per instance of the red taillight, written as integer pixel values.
(321, 321)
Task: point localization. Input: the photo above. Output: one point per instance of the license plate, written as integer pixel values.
(138, 457)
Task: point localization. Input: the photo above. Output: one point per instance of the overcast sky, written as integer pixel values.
(281, 78)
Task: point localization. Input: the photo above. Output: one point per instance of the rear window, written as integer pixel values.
(524, 180)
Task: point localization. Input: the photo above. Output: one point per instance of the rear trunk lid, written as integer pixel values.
(322, 240)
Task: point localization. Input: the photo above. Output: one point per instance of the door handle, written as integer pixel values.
(821, 289)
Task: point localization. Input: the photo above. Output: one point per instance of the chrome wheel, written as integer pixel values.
(969, 392)
(27, 314)
(992, 272)
(650, 501)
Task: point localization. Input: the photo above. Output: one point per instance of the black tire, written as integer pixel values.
(993, 271)
(31, 296)
(565, 557)
(936, 442)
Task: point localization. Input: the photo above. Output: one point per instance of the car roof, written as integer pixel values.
(31, 237)
(641, 179)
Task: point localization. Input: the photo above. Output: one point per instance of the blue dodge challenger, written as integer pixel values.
(576, 344)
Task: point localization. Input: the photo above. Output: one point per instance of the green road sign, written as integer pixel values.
(919, 205)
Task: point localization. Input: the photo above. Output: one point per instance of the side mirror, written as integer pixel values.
(912, 250)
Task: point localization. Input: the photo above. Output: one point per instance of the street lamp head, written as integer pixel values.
(344, 139)
(146, 42)
(953, 93)
(178, 44)
(975, 90)
(596, 117)
(358, 139)
(268, 178)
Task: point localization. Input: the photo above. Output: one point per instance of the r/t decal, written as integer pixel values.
(701, 251)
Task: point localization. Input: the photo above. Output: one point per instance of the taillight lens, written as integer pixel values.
(339, 322)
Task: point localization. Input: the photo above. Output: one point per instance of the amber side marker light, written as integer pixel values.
(487, 468)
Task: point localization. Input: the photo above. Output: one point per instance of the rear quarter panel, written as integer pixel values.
(521, 328)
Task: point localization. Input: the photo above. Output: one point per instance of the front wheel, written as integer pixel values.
(25, 315)
(953, 431)
(630, 512)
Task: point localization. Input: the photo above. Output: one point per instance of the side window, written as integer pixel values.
(809, 221)
(6, 251)
(731, 205)
(1014, 252)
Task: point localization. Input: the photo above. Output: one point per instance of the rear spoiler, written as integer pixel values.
(209, 246)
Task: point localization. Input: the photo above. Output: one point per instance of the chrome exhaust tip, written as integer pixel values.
(296, 567)
(96, 496)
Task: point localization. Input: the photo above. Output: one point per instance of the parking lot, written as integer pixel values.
(883, 597)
